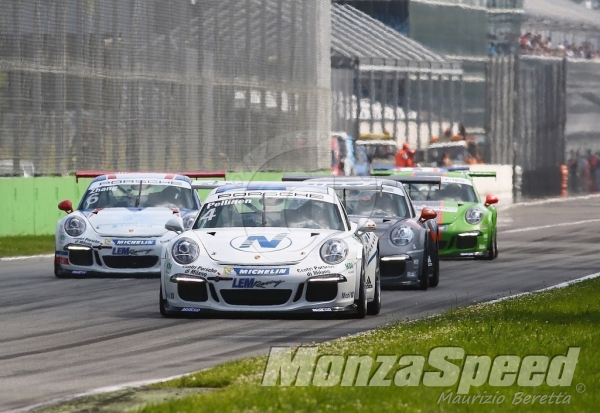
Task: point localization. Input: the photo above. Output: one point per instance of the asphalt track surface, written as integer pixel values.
(59, 338)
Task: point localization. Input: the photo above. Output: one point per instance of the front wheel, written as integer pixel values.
(361, 301)
(57, 272)
(434, 278)
(161, 303)
(424, 276)
(374, 307)
(492, 252)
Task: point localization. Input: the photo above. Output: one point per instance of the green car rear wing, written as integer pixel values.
(482, 174)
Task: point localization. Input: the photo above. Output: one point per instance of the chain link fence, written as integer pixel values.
(526, 118)
(164, 85)
(583, 106)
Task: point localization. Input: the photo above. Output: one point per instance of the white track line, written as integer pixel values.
(562, 224)
(27, 257)
(549, 201)
(552, 287)
(97, 391)
(149, 382)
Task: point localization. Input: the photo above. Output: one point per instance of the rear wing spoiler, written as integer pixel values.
(303, 177)
(341, 187)
(389, 171)
(416, 179)
(210, 184)
(482, 174)
(190, 174)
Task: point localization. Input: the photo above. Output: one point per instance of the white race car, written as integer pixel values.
(119, 225)
(271, 247)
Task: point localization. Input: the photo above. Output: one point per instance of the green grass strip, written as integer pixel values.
(19, 245)
(546, 323)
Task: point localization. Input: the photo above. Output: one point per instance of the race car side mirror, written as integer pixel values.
(491, 199)
(66, 206)
(175, 224)
(365, 225)
(427, 214)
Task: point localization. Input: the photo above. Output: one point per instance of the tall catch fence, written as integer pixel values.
(583, 106)
(164, 84)
(526, 118)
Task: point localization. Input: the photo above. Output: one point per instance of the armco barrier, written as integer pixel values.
(28, 206)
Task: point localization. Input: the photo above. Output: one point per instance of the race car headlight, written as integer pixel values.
(402, 235)
(334, 251)
(473, 216)
(185, 251)
(188, 221)
(75, 226)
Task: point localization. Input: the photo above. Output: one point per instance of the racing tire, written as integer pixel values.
(57, 272)
(424, 277)
(492, 252)
(161, 304)
(361, 301)
(374, 307)
(434, 279)
(496, 247)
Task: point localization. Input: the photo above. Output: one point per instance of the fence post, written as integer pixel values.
(516, 138)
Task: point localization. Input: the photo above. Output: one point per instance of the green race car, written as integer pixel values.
(467, 224)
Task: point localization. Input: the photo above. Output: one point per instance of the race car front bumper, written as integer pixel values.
(189, 311)
(465, 244)
(102, 257)
(283, 289)
(400, 270)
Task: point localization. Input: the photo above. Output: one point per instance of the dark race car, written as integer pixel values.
(408, 244)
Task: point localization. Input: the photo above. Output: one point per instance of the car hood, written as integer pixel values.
(261, 246)
(448, 211)
(383, 224)
(130, 222)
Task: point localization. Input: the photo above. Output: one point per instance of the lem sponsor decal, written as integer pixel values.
(253, 283)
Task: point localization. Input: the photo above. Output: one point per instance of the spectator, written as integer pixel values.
(572, 165)
(411, 158)
(583, 174)
(596, 171)
(530, 44)
(402, 157)
(445, 160)
(593, 165)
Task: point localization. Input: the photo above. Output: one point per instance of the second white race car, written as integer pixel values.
(119, 225)
(268, 247)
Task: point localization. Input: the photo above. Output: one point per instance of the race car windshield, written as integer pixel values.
(270, 212)
(449, 191)
(138, 196)
(373, 203)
